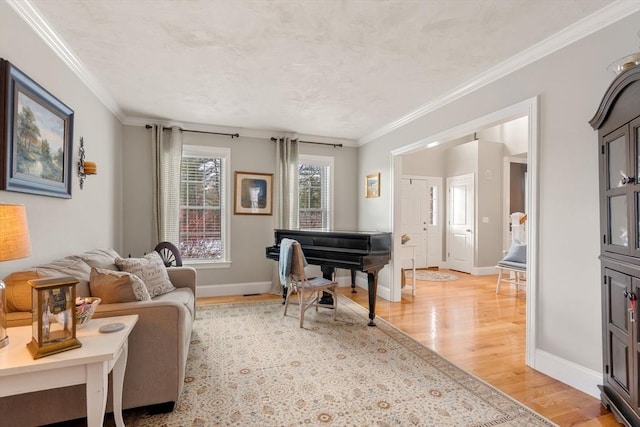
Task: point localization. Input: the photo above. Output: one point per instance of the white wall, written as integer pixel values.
(425, 162)
(514, 136)
(489, 204)
(461, 160)
(569, 84)
(92, 218)
(250, 270)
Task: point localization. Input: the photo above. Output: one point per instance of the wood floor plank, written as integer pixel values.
(482, 332)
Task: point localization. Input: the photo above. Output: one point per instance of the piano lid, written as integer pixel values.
(368, 241)
(329, 232)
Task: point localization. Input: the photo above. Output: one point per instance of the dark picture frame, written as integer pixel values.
(36, 137)
(253, 194)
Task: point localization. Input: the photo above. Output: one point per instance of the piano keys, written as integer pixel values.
(362, 251)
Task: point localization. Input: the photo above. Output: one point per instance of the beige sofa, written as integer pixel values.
(158, 345)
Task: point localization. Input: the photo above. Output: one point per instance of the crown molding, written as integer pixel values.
(592, 23)
(596, 21)
(32, 17)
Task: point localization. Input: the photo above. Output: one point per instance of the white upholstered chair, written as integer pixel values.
(515, 265)
(309, 291)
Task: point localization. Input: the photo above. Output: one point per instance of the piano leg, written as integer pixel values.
(353, 282)
(327, 273)
(372, 282)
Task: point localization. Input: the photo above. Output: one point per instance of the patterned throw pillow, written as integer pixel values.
(117, 286)
(151, 270)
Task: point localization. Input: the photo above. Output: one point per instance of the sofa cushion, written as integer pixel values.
(151, 270)
(181, 295)
(18, 290)
(117, 286)
(70, 266)
(101, 258)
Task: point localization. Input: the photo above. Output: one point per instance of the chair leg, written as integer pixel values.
(303, 306)
(499, 280)
(335, 304)
(286, 301)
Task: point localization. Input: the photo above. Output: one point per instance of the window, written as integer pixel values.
(203, 203)
(315, 191)
(433, 205)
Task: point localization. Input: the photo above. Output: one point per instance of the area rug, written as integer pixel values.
(250, 366)
(431, 276)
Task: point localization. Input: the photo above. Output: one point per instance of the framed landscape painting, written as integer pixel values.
(37, 137)
(253, 193)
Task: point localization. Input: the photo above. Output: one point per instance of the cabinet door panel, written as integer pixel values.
(618, 354)
(617, 175)
(617, 315)
(620, 362)
(635, 328)
(618, 220)
(617, 155)
(635, 213)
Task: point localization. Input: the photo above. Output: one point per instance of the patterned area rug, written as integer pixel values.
(250, 366)
(431, 276)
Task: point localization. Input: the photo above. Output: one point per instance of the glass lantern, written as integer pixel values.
(4, 339)
(53, 316)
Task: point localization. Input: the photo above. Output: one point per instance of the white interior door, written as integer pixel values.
(460, 222)
(414, 217)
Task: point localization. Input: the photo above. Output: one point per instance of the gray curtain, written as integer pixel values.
(167, 158)
(286, 193)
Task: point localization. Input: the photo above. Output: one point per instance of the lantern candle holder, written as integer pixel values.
(54, 316)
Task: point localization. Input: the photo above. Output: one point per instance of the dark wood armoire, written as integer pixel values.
(618, 124)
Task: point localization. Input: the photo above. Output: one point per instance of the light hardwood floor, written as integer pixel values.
(483, 333)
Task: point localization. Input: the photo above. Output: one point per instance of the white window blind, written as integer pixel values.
(203, 203)
(315, 174)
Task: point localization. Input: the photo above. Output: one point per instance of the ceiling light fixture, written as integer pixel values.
(625, 62)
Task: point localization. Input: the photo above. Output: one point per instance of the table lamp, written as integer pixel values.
(14, 244)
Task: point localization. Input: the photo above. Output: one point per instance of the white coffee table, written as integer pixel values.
(90, 364)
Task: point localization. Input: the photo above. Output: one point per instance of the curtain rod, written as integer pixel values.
(232, 135)
(274, 139)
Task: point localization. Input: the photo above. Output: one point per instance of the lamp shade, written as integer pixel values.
(14, 232)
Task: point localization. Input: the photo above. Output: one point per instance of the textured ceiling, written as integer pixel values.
(330, 68)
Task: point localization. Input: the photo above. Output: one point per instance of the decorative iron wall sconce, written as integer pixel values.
(85, 168)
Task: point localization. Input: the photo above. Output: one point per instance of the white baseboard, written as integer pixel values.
(363, 282)
(578, 377)
(233, 289)
(484, 271)
(477, 271)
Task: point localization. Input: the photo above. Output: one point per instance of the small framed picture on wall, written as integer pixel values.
(372, 185)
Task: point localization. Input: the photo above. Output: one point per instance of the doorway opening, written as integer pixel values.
(527, 109)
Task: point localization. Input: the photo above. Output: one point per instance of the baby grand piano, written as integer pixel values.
(354, 250)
